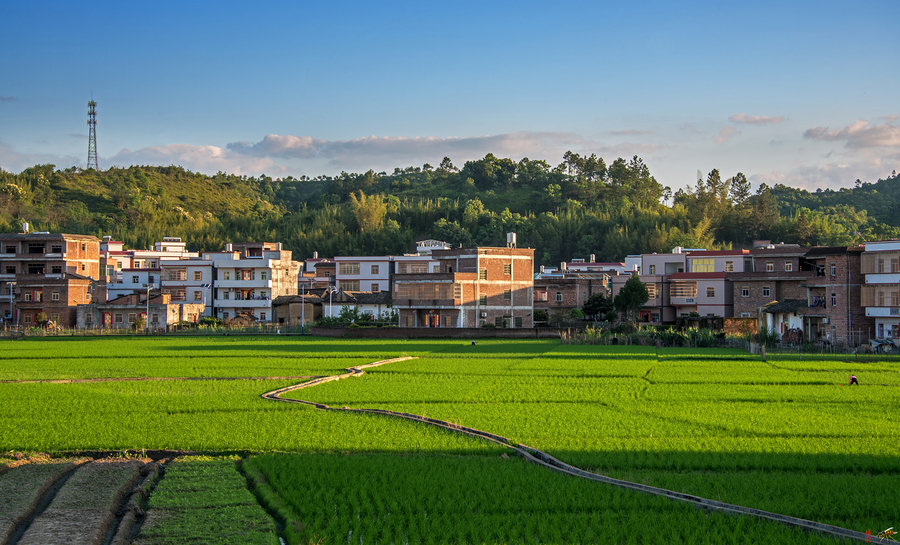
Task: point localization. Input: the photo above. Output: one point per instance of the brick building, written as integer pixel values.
(46, 275)
(559, 292)
(471, 288)
(126, 311)
(776, 274)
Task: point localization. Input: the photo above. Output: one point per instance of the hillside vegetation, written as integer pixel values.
(580, 207)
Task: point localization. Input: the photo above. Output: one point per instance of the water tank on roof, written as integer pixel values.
(25, 227)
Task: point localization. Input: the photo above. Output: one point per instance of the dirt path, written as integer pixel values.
(131, 379)
(542, 458)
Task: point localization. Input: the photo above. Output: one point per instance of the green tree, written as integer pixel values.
(631, 298)
(598, 304)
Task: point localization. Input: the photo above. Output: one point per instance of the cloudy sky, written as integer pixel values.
(797, 92)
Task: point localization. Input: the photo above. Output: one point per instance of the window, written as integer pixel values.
(225, 295)
(56, 269)
(729, 266)
(10, 249)
(225, 315)
(375, 287)
(118, 318)
(710, 291)
(350, 285)
(28, 318)
(135, 280)
(154, 318)
(10, 270)
(518, 321)
(409, 321)
(132, 317)
(118, 265)
(227, 275)
(895, 299)
(198, 295)
(559, 297)
(55, 249)
(703, 265)
(788, 266)
(745, 315)
(765, 291)
(834, 269)
(507, 294)
(652, 269)
(498, 321)
(54, 296)
(198, 276)
(483, 299)
(482, 274)
(263, 275)
(651, 290)
(83, 247)
(507, 268)
(448, 321)
(348, 268)
(745, 291)
(833, 299)
(83, 267)
(262, 316)
(895, 264)
(88, 319)
(152, 264)
(374, 269)
(28, 296)
(770, 266)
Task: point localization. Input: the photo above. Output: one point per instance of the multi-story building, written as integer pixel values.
(469, 287)
(559, 291)
(704, 288)
(247, 277)
(129, 311)
(776, 274)
(44, 276)
(115, 260)
(880, 297)
(363, 273)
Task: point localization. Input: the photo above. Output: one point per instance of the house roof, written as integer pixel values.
(697, 275)
(833, 250)
(788, 306)
(705, 253)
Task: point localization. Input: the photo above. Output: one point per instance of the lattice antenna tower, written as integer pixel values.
(92, 135)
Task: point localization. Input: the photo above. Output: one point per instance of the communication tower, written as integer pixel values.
(92, 135)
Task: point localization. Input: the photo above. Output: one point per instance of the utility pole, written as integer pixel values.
(92, 135)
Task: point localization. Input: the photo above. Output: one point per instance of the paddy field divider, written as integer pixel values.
(542, 458)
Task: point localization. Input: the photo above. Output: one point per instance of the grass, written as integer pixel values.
(783, 435)
(202, 500)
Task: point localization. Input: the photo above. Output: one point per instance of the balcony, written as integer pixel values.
(243, 303)
(883, 312)
(682, 301)
(424, 303)
(243, 284)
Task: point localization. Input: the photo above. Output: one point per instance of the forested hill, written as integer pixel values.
(579, 207)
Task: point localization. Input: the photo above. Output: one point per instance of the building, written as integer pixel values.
(246, 277)
(130, 311)
(776, 274)
(468, 287)
(560, 291)
(44, 276)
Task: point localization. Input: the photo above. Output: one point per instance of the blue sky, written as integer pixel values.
(800, 93)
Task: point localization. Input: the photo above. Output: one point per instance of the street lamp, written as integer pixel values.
(11, 286)
(147, 315)
(302, 309)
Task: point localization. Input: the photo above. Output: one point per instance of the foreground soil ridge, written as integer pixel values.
(542, 458)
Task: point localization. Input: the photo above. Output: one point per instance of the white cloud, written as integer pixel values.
(204, 159)
(13, 161)
(833, 175)
(726, 134)
(8, 99)
(859, 135)
(630, 132)
(387, 152)
(755, 119)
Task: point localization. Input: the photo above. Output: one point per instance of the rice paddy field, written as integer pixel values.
(786, 436)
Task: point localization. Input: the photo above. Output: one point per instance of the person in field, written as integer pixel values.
(853, 380)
